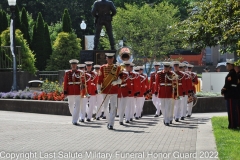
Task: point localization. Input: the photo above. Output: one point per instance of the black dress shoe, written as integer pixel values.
(177, 120)
(160, 113)
(182, 118)
(75, 123)
(127, 121)
(131, 119)
(170, 122)
(88, 120)
(188, 115)
(104, 117)
(110, 127)
(82, 120)
(156, 115)
(136, 118)
(167, 124)
(98, 118)
(121, 123)
(117, 115)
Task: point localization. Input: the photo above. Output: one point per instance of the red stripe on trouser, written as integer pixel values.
(231, 116)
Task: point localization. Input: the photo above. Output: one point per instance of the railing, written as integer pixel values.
(48, 75)
(6, 58)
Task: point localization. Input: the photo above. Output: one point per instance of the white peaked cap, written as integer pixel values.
(136, 68)
(81, 65)
(156, 63)
(166, 63)
(182, 65)
(73, 61)
(141, 67)
(88, 62)
(109, 54)
(230, 61)
(175, 62)
(126, 62)
(96, 66)
(132, 64)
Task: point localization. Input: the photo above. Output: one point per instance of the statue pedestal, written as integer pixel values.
(96, 56)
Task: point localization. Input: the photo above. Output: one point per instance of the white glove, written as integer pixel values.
(99, 89)
(119, 81)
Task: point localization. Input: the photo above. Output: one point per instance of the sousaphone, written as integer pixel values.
(124, 54)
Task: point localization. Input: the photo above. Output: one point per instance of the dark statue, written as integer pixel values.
(103, 11)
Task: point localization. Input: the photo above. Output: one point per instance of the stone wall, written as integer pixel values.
(204, 105)
(22, 80)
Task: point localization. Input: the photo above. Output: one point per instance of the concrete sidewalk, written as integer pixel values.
(39, 136)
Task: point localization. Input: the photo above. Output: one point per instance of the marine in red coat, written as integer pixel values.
(91, 89)
(194, 81)
(180, 87)
(109, 79)
(72, 83)
(152, 85)
(163, 90)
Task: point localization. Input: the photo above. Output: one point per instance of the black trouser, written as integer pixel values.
(108, 26)
(232, 109)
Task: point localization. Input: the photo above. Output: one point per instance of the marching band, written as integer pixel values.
(119, 90)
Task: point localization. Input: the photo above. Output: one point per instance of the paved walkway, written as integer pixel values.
(39, 136)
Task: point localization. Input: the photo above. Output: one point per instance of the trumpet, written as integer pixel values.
(175, 86)
(85, 84)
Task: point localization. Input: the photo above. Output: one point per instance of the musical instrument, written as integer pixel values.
(124, 54)
(174, 79)
(84, 75)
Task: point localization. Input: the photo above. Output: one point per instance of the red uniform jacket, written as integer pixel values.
(84, 90)
(135, 84)
(194, 81)
(181, 82)
(92, 83)
(125, 87)
(189, 82)
(163, 84)
(72, 82)
(144, 84)
(104, 71)
(152, 81)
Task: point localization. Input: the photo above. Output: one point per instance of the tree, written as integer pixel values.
(67, 24)
(66, 47)
(211, 24)
(4, 22)
(146, 29)
(17, 18)
(25, 25)
(27, 56)
(54, 30)
(1, 28)
(38, 43)
(48, 46)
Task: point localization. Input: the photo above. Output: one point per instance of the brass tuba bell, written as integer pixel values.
(125, 54)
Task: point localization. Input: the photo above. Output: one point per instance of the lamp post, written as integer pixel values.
(12, 4)
(83, 27)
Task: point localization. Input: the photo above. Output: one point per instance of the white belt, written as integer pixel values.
(234, 85)
(165, 84)
(154, 82)
(73, 82)
(179, 84)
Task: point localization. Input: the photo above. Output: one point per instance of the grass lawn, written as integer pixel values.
(227, 140)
